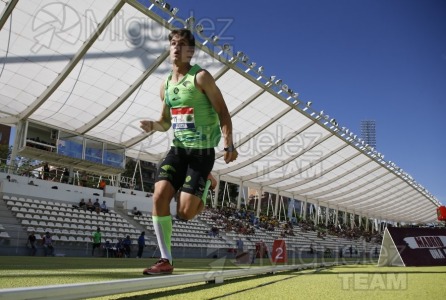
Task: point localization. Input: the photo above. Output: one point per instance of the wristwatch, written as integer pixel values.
(230, 148)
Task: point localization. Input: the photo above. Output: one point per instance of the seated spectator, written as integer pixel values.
(47, 243)
(90, 205)
(97, 206)
(104, 208)
(136, 212)
(82, 204)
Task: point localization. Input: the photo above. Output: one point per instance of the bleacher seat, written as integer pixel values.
(4, 235)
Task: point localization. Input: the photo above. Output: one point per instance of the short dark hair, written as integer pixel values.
(184, 33)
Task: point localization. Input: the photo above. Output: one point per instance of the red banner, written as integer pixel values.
(279, 254)
(441, 213)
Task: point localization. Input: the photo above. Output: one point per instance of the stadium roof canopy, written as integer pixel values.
(94, 68)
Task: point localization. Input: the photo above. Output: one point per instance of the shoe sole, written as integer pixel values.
(159, 273)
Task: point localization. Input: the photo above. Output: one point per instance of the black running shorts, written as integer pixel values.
(187, 169)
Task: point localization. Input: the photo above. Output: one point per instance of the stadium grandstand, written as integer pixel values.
(76, 99)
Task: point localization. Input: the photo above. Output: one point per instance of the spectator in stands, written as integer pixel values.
(126, 244)
(82, 204)
(66, 176)
(90, 205)
(136, 212)
(102, 186)
(96, 238)
(104, 208)
(47, 243)
(46, 171)
(119, 248)
(141, 244)
(31, 243)
(192, 155)
(84, 179)
(214, 231)
(97, 206)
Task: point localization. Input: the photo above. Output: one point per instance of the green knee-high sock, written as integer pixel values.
(205, 192)
(163, 230)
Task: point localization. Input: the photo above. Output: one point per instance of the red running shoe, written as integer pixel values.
(161, 267)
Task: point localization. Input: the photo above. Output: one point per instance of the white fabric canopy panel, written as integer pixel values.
(95, 68)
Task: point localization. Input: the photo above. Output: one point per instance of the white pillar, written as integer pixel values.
(336, 217)
(239, 198)
(217, 187)
(327, 213)
(276, 206)
(259, 202)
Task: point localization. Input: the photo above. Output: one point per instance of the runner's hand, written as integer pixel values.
(230, 156)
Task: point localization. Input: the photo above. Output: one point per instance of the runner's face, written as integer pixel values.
(180, 51)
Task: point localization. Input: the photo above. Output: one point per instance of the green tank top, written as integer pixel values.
(195, 123)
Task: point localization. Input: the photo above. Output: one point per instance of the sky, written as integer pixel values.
(381, 60)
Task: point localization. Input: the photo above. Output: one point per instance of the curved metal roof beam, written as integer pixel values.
(7, 11)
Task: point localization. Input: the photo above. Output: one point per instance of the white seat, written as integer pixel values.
(4, 235)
